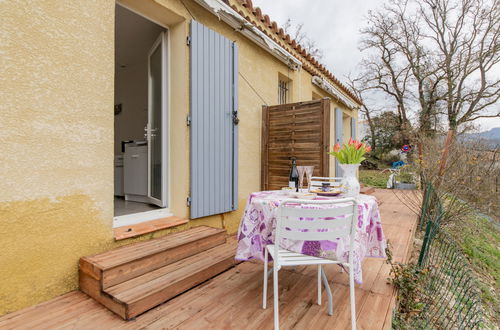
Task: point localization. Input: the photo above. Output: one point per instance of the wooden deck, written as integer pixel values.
(232, 300)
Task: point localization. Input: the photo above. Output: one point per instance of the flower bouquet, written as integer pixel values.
(350, 155)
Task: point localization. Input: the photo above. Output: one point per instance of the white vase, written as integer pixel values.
(350, 180)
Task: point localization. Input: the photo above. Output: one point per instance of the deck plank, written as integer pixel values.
(233, 299)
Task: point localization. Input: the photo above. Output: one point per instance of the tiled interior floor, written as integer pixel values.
(123, 207)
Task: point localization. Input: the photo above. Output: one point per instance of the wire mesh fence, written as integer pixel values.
(451, 297)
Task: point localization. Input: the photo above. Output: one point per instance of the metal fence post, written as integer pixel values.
(425, 244)
(425, 204)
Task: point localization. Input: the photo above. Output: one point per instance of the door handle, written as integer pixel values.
(236, 120)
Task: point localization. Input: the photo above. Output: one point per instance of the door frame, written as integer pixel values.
(134, 218)
(161, 42)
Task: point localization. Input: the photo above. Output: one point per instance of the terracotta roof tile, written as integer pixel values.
(257, 13)
(274, 26)
(267, 20)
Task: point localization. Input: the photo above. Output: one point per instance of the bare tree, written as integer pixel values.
(360, 89)
(384, 69)
(439, 54)
(408, 37)
(466, 35)
(296, 32)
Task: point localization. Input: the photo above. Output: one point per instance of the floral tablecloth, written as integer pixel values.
(257, 229)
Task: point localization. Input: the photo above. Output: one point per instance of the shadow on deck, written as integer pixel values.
(233, 298)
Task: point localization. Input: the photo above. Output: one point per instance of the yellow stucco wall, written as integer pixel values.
(56, 133)
(56, 96)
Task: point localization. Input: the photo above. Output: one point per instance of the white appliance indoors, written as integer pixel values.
(141, 90)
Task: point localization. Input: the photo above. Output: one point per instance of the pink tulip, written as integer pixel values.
(368, 148)
(358, 145)
(351, 141)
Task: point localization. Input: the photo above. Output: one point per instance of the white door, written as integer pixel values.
(156, 129)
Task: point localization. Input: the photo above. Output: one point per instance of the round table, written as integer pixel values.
(257, 229)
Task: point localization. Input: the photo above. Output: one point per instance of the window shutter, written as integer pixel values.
(338, 138)
(214, 143)
(353, 128)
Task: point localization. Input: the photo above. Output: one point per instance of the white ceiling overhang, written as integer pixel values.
(240, 24)
(329, 88)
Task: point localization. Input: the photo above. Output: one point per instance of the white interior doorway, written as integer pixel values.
(141, 119)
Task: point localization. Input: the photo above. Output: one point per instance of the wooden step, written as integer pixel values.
(145, 227)
(138, 295)
(144, 292)
(122, 264)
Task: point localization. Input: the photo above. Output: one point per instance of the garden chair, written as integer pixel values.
(292, 225)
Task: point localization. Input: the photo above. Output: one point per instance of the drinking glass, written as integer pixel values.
(302, 171)
(309, 173)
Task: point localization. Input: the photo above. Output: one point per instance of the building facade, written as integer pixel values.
(66, 65)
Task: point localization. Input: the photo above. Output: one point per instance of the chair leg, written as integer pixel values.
(264, 289)
(328, 292)
(319, 284)
(353, 299)
(276, 302)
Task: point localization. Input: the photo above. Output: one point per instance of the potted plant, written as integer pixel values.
(350, 155)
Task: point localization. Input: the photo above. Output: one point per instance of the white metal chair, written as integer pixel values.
(317, 182)
(291, 224)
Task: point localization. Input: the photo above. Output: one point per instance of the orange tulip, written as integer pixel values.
(368, 148)
(336, 147)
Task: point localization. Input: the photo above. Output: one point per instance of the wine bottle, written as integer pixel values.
(293, 179)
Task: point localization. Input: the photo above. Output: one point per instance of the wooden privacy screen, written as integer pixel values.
(300, 130)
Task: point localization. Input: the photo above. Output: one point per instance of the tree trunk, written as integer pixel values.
(372, 129)
(444, 156)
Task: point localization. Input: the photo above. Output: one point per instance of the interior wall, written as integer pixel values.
(134, 37)
(131, 90)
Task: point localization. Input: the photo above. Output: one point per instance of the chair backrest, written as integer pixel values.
(317, 182)
(316, 220)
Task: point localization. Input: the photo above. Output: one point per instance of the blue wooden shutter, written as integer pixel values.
(338, 138)
(353, 128)
(214, 154)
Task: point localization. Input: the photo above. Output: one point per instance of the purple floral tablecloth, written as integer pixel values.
(257, 229)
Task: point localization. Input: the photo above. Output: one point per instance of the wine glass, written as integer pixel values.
(309, 173)
(302, 171)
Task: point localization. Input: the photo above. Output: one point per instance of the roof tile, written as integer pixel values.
(257, 12)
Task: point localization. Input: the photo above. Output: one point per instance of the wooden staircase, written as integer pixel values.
(135, 278)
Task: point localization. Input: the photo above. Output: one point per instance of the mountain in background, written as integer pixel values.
(491, 138)
(493, 134)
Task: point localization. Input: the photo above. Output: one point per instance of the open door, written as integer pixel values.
(157, 128)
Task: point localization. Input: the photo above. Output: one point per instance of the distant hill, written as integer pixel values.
(493, 134)
(491, 137)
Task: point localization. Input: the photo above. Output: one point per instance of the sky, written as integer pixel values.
(334, 25)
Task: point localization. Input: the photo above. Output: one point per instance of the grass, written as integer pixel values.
(480, 241)
(374, 178)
